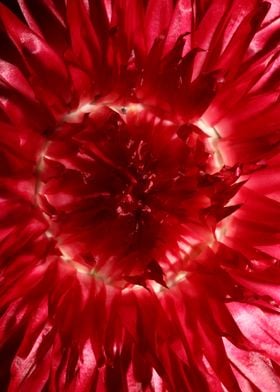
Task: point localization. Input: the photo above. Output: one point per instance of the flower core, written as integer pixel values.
(130, 195)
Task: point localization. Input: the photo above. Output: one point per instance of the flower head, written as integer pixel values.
(140, 200)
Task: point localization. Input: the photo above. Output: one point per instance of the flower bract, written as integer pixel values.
(139, 195)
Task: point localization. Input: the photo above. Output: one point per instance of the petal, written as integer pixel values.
(40, 60)
(158, 16)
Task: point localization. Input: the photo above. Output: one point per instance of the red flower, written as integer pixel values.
(140, 196)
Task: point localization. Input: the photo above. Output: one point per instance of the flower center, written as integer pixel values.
(130, 197)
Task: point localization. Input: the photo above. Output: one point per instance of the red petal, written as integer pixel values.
(158, 16)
